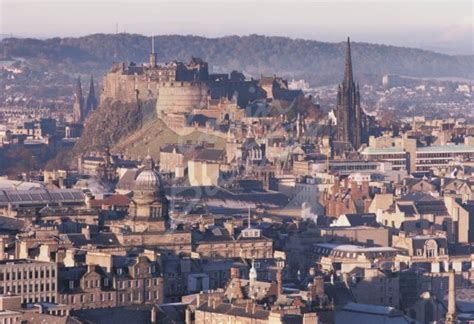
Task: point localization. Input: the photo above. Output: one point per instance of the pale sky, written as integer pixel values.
(445, 26)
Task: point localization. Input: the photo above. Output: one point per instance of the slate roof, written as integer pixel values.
(41, 195)
(225, 308)
(362, 219)
(365, 313)
(210, 155)
(127, 180)
(215, 196)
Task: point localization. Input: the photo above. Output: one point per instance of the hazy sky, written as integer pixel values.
(441, 25)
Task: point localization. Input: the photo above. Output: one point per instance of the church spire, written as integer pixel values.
(91, 103)
(348, 65)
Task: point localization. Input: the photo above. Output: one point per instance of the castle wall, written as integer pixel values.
(181, 97)
(123, 87)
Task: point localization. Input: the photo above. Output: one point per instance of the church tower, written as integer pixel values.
(91, 102)
(78, 105)
(349, 114)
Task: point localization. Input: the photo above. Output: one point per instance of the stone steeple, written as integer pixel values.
(348, 79)
(78, 105)
(91, 103)
(349, 114)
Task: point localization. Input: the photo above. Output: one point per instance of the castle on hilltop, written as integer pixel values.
(184, 90)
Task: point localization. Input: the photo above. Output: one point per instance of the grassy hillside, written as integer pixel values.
(153, 136)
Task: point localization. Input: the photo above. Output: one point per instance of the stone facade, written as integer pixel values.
(33, 281)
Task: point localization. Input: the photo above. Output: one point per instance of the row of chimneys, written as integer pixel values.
(363, 191)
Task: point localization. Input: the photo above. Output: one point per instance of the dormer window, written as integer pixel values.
(119, 271)
(106, 282)
(71, 284)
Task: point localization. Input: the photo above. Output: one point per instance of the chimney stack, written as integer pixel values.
(188, 316)
(153, 315)
(61, 183)
(279, 278)
(229, 226)
(451, 314)
(87, 232)
(234, 272)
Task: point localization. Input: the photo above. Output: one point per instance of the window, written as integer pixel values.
(106, 282)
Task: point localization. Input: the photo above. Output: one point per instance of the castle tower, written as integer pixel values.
(349, 114)
(91, 102)
(451, 314)
(78, 105)
(153, 56)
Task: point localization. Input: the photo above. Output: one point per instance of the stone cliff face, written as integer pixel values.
(113, 121)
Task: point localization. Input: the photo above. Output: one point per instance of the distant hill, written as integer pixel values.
(317, 62)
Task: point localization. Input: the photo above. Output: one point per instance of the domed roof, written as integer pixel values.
(148, 179)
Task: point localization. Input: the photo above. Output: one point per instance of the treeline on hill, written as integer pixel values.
(314, 61)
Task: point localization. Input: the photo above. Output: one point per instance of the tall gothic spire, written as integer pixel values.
(91, 103)
(349, 114)
(78, 105)
(348, 65)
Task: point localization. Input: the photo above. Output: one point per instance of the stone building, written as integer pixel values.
(349, 199)
(350, 116)
(127, 282)
(249, 243)
(78, 107)
(374, 286)
(149, 203)
(33, 281)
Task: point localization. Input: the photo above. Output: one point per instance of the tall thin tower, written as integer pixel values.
(78, 105)
(152, 53)
(349, 113)
(91, 102)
